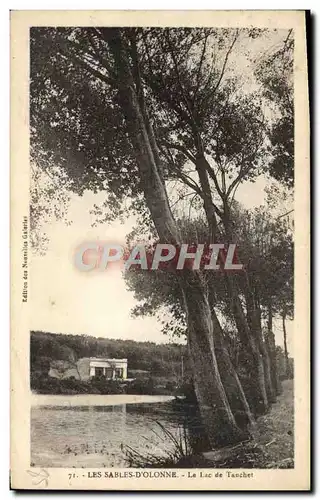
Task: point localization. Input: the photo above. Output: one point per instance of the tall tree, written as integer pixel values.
(223, 135)
(79, 142)
(122, 111)
(265, 248)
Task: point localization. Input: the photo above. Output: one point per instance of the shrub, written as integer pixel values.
(52, 385)
(100, 385)
(105, 386)
(141, 386)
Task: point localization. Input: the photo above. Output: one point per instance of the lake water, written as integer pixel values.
(93, 431)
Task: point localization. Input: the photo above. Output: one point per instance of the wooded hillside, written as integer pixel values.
(159, 360)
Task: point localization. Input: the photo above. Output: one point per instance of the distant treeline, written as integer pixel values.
(162, 360)
(156, 368)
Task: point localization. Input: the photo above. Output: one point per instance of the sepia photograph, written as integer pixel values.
(159, 240)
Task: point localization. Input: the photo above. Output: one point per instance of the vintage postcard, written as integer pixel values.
(160, 250)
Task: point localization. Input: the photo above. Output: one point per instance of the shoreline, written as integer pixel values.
(96, 399)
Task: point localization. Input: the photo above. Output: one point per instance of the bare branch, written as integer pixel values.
(287, 213)
(213, 176)
(183, 92)
(189, 182)
(190, 206)
(200, 67)
(183, 197)
(180, 148)
(97, 53)
(225, 61)
(89, 68)
(182, 176)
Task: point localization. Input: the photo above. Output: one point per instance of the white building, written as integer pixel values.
(109, 368)
(87, 368)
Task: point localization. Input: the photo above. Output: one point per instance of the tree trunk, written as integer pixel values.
(231, 382)
(201, 167)
(285, 344)
(255, 366)
(254, 321)
(270, 388)
(250, 333)
(207, 198)
(271, 346)
(213, 402)
(214, 406)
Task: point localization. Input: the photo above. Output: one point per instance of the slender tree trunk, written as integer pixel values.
(271, 346)
(214, 406)
(256, 365)
(213, 402)
(207, 198)
(231, 382)
(285, 344)
(234, 389)
(259, 389)
(254, 320)
(250, 333)
(270, 388)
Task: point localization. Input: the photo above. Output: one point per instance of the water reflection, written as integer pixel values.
(96, 436)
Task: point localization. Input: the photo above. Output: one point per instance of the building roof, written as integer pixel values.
(124, 360)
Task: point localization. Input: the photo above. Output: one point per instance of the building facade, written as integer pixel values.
(109, 368)
(87, 368)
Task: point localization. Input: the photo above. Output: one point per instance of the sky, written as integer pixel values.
(66, 300)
